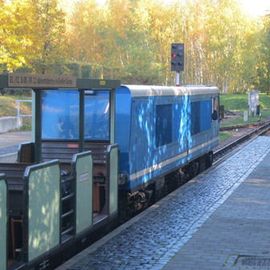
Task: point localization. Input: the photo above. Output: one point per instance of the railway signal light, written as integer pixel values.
(177, 57)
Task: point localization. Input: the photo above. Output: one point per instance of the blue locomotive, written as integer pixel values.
(160, 130)
(98, 148)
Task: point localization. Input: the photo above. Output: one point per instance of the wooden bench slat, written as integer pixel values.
(64, 151)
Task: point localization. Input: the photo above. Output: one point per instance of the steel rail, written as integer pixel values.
(218, 154)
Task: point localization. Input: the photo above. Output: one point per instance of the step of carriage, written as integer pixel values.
(67, 224)
(68, 208)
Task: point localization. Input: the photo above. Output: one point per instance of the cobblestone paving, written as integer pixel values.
(153, 240)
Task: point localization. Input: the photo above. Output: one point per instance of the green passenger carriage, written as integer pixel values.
(63, 187)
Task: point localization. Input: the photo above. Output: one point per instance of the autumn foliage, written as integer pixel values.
(130, 40)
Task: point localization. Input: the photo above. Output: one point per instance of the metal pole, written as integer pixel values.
(18, 108)
(177, 78)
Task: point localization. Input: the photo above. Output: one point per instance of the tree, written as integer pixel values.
(160, 25)
(85, 30)
(215, 34)
(130, 40)
(14, 41)
(33, 34)
(47, 34)
(264, 57)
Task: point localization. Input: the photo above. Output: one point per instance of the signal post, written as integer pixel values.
(177, 60)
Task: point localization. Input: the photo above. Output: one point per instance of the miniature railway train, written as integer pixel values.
(99, 149)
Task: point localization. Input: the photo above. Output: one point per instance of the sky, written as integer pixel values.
(253, 8)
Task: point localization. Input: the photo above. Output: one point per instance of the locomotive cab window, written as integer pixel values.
(200, 116)
(163, 124)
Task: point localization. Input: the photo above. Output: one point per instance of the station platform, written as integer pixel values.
(218, 220)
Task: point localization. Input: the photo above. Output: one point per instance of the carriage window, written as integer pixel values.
(200, 116)
(97, 110)
(163, 124)
(195, 118)
(206, 115)
(60, 114)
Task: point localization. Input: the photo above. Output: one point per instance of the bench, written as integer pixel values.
(61, 150)
(26, 153)
(64, 151)
(14, 176)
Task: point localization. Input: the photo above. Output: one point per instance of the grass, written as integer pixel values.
(224, 135)
(8, 106)
(27, 124)
(239, 120)
(238, 103)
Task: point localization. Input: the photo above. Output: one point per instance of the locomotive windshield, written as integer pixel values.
(61, 110)
(96, 115)
(60, 114)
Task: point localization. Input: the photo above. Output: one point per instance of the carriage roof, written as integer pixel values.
(151, 90)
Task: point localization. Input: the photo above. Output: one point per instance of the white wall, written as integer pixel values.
(10, 123)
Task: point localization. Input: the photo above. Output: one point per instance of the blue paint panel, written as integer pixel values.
(122, 126)
(205, 115)
(142, 134)
(202, 151)
(143, 151)
(183, 130)
(147, 177)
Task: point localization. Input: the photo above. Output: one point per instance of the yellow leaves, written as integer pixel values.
(141, 18)
(127, 37)
(14, 43)
(32, 31)
(119, 16)
(86, 23)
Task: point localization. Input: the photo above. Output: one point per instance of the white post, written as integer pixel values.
(245, 116)
(177, 78)
(18, 118)
(18, 108)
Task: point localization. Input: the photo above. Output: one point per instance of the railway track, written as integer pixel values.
(220, 153)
